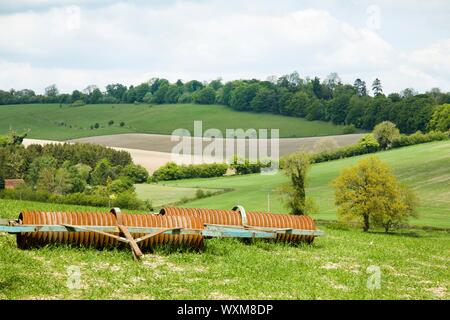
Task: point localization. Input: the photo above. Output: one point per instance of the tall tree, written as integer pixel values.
(51, 91)
(296, 167)
(116, 91)
(360, 87)
(377, 88)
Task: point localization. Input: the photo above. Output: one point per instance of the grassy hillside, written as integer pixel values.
(159, 195)
(412, 265)
(50, 121)
(424, 167)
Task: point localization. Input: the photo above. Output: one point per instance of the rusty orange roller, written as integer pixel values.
(179, 227)
(239, 217)
(143, 232)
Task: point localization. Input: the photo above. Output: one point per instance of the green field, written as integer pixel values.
(160, 195)
(413, 265)
(52, 122)
(425, 168)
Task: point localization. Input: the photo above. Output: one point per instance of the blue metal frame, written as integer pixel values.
(210, 230)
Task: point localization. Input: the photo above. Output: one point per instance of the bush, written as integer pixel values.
(173, 171)
(110, 122)
(101, 173)
(440, 120)
(78, 103)
(366, 144)
(120, 185)
(386, 132)
(122, 124)
(129, 200)
(349, 129)
(137, 173)
(247, 167)
(125, 200)
(419, 137)
(96, 125)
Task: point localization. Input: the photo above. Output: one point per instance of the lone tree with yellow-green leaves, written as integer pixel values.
(369, 193)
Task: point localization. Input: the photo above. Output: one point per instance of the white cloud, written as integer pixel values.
(74, 46)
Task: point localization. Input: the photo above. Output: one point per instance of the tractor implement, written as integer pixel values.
(143, 232)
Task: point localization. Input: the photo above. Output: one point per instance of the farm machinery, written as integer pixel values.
(178, 227)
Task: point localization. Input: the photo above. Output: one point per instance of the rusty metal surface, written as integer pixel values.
(94, 239)
(255, 219)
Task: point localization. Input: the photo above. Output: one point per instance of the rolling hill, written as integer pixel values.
(423, 167)
(63, 122)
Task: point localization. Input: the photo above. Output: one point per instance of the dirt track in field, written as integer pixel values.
(153, 151)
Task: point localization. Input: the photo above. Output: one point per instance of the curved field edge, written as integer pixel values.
(64, 122)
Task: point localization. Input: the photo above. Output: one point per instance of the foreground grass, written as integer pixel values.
(413, 265)
(425, 168)
(45, 120)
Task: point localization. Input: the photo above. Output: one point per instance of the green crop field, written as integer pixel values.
(412, 264)
(425, 167)
(160, 195)
(52, 122)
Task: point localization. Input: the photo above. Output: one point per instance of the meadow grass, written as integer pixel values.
(55, 122)
(161, 195)
(413, 265)
(425, 168)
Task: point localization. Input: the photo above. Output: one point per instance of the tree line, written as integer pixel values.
(312, 98)
(70, 173)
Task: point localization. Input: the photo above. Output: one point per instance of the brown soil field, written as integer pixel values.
(163, 143)
(153, 151)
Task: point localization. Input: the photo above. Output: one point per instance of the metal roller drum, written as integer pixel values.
(92, 239)
(254, 219)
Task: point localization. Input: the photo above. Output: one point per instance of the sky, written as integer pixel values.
(74, 44)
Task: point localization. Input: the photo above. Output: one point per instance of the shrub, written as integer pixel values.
(96, 125)
(199, 194)
(78, 103)
(386, 132)
(101, 173)
(137, 173)
(110, 122)
(125, 200)
(120, 185)
(419, 137)
(248, 167)
(440, 120)
(128, 200)
(172, 171)
(366, 144)
(122, 124)
(186, 98)
(349, 129)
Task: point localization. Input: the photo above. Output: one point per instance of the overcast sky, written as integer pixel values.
(78, 43)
